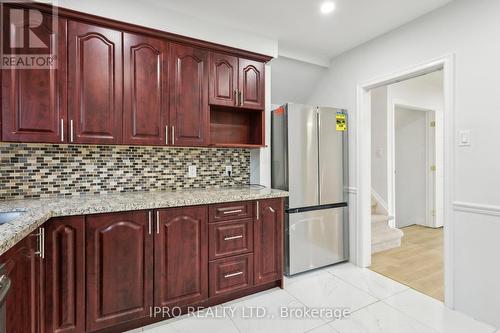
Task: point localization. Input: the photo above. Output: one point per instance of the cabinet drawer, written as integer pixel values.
(230, 238)
(230, 211)
(231, 274)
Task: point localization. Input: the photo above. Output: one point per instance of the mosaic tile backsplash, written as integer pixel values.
(36, 170)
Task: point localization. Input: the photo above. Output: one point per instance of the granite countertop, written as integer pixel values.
(38, 211)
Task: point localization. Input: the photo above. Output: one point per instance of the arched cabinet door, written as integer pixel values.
(181, 256)
(189, 114)
(251, 77)
(95, 87)
(119, 268)
(223, 79)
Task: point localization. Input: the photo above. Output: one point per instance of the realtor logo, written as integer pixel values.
(28, 36)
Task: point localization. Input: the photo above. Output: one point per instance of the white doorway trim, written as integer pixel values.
(362, 235)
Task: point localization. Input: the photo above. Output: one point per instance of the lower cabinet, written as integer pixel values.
(181, 256)
(65, 275)
(119, 268)
(231, 274)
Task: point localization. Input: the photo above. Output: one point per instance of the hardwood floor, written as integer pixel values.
(418, 263)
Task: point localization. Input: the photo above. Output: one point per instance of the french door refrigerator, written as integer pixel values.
(309, 160)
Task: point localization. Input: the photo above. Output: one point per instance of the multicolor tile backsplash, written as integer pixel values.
(39, 170)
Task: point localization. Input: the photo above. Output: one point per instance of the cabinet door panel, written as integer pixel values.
(181, 256)
(146, 92)
(268, 238)
(65, 275)
(95, 83)
(189, 95)
(25, 270)
(223, 79)
(34, 100)
(252, 84)
(119, 268)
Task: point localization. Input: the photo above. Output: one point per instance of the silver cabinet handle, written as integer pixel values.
(71, 130)
(173, 135)
(233, 274)
(166, 135)
(62, 130)
(150, 223)
(157, 222)
(235, 92)
(233, 237)
(239, 98)
(258, 210)
(232, 211)
(41, 243)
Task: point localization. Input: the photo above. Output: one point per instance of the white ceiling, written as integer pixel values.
(301, 30)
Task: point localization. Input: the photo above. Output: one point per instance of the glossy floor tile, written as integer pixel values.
(377, 305)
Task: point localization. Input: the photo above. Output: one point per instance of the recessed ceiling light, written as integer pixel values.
(327, 7)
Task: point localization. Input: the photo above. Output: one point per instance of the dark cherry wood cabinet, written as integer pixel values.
(24, 266)
(95, 86)
(189, 113)
(119, 277)
(181, 256)
(65, 275)
(145, 113)
(231, 274)
(268, 240)
(34, 99)
(223, 79)
(251, 83)
(230, 238)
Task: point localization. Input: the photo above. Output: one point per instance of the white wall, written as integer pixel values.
(411, 166)
(469, 29)
(379, 144)
(293, 81)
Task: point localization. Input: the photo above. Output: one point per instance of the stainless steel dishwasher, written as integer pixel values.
(4, 290)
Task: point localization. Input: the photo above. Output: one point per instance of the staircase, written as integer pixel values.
(383, 236)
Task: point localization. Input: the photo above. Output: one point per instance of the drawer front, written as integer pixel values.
(230, 238)
(230, 211)
(231, 274)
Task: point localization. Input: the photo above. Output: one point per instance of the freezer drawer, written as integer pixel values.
(315, 239)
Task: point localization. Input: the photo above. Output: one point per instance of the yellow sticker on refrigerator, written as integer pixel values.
(341, 122)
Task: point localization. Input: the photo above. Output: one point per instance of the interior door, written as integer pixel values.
(145, 112)
(119, 273)
(302, 156)
(223, 79)
(34, 99)
(251, 84)
(189, 114)
(332, 159)
(95, 84)
(181, 256)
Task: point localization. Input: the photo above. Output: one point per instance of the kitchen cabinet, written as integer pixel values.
(251, 83)
(34, 99)
(65, 275)
(119, 277)
(145, 113)
(223, 79)
(189, 113)
(268, 240)
(24, 267)
(95, 87)
(181, 256)
(231, 274)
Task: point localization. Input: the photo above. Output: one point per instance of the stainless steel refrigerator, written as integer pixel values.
(309, 159)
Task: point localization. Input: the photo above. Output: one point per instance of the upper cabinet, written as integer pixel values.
(189, 114)
(236, 82)
(34, 99)
(145, 113)
(95, 85)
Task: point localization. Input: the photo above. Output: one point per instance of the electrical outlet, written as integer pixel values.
(229, 170)
(192, 171)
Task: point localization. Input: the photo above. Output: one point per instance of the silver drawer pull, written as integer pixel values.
(233, 274)
(233, 211)
(233, 237)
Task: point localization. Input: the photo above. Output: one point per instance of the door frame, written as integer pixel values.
(362, 232)
(391, 163)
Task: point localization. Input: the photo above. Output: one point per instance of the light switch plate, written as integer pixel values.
(464, 138)
(192, 171)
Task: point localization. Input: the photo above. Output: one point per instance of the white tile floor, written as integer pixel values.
(378, 305)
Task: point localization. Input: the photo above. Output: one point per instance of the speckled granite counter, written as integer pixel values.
(38, 211)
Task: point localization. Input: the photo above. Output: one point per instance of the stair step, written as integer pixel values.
(379, 218)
